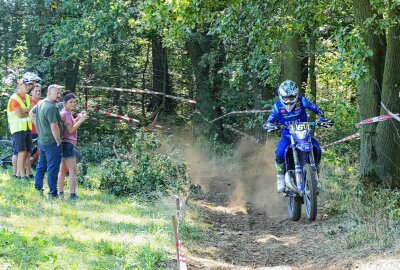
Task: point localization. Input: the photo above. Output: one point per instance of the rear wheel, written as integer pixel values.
(294, 207)
(34, 156)
(310, 192)
(6, 153)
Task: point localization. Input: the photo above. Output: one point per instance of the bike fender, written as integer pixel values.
(304, 146)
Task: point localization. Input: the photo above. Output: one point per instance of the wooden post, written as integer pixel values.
(178, 208)
(179, 249)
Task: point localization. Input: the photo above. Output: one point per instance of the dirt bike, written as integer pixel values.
(301, 177)
(6, 153)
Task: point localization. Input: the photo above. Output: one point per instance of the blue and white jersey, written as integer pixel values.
(297, 115)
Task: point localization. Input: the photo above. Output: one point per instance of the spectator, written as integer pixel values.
(35, 94)
(46, 117)
(69, 139)
(18, 108)
(60, 105)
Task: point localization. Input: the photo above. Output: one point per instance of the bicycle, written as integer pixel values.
(6, 153)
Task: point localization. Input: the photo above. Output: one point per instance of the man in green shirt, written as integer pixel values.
(46, 117)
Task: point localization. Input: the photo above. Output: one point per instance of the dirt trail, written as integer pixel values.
(249, 228)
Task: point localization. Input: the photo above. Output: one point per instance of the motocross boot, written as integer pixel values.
(280, 176)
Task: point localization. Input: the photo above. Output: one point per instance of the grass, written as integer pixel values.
(100, 231)
(371, 215)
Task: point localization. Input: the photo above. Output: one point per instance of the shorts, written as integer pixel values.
(68, 150)
(14, 148)
(22, 141)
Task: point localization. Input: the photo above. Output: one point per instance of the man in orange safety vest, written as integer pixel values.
(19, 105)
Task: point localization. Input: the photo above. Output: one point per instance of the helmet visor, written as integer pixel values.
(289, 99)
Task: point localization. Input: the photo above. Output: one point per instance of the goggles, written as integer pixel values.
(289, 98)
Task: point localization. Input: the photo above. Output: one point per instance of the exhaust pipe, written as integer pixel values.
(289, 181)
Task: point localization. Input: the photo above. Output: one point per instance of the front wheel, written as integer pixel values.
(6, 153)
(294, 207)
(310, 192)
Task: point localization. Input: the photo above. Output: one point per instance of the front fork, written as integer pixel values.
(312, 162)
(297, 167)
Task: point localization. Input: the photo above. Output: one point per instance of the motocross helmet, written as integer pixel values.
(288, 93)
(29, 76)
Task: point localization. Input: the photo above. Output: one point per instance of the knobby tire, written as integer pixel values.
(310, 194)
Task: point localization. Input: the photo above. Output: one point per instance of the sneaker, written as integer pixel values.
(61, 195)
(40, 192)
(22, 177)
(53, 197)
(31, 177)
(73, 197)
(280, 182)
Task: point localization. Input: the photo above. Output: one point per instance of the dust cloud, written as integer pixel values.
(245, 182)
(257, 179)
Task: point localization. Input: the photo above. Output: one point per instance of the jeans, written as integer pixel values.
(49, 160)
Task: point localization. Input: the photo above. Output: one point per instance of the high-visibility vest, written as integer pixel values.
(15, 122)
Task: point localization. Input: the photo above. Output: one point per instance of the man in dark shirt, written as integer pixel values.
(46, 117)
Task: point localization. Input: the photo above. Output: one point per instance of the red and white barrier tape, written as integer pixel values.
(354, 136)
(380, 118)
(241, 112)
(375, 119)
(139, 91)
(182, 259)
(394, 115)
(118, 116)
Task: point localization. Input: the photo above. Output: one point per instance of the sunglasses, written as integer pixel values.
(29, 84)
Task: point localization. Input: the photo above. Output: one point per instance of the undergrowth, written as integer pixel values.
(372, 214)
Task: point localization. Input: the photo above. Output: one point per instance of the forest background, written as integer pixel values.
(227, 56)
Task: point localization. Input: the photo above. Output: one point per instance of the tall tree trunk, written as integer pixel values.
(369, 93)
(33, 35)
(313, 75)
(144, 70)
(159, 67)
(116, 74)
(216, 89)
(206, 97)
(292, 60)
(388, 132)
(71, 74)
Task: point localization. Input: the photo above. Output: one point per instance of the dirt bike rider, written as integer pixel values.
(290, 109)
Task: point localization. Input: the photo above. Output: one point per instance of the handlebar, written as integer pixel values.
(326, 124)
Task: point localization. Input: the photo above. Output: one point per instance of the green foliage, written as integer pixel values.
(144, 172)
(148, 258)
(23, 251)
(352, 53)
(88, 177)
(4, 130)
(96, 140)
(190, 231)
